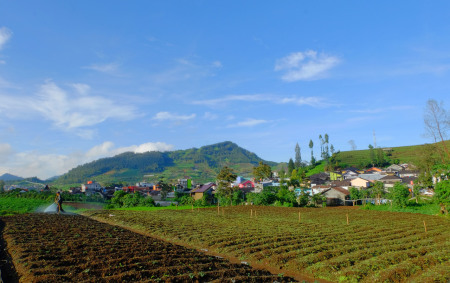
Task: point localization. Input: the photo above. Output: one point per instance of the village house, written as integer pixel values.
(345, 184)
(408, 173)
(206, 189)
(394, 168)
(360, 183)
(336, 176)
(354, 169)
(373, 170)
(319, 179)
(373, 177)
(91, 186)
(350, 174)
(390, 180)
(336, 196)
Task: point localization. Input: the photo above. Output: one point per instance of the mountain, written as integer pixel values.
(8, 177)
(201, 164)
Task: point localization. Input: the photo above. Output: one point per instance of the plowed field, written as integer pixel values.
(372, 246)
(73, 248)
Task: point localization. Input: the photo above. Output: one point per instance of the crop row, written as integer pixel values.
(78, 249)
(372, 246)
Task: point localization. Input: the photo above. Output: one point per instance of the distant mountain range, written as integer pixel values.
(201, 164)
(8, 177)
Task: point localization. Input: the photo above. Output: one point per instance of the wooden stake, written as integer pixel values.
(218, 209)
(251, 213)
(425, 225)
(299, 217)
(255, 213)
(347, 218)
(223, 211)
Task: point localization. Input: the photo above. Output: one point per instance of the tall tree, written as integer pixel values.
(437, 123)
(225, 178)
(311, 145)
(322, 142)
(298, 157)
(291, 166)
(262, 171)
(352, 144)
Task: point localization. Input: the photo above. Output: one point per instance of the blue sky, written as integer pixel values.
(81, 80)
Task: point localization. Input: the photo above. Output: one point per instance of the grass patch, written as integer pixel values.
(155, 208)
(423, 208)
(10, 206)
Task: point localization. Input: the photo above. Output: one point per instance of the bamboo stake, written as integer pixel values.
(425, 225)
(347, 218)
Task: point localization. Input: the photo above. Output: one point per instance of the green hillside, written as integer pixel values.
(403, 154)
(201, 164)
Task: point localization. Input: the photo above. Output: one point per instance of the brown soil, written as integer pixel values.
(73, 248)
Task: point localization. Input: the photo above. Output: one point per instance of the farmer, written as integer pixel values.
(59, 201)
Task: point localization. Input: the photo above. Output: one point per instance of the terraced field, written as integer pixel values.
(73, 248)
(336, 244)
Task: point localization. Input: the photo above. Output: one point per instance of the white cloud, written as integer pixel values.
(185, 70)
(217, 64)
(67, 112)
(308, 65)
(210, 116)
(82, 89)
(313, 101)
(5, 152)
(104, 68)
(231, 98)
(167, 116)
(5, 35)
(249, 123)
(75, 112)
(32, 163)
(381, 109)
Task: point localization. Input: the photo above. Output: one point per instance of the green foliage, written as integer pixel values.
(262, 171)
(291, 166)
(225, 190)
(397, 155)
(285, 196)
(303, 199)
(183, 199)
(355, 193)
(18, 205)
(124, 199)
(423, 208)
(273, 196)
(442, 195)
(399, 195)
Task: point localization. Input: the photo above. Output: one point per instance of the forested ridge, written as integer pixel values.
(131, 166)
